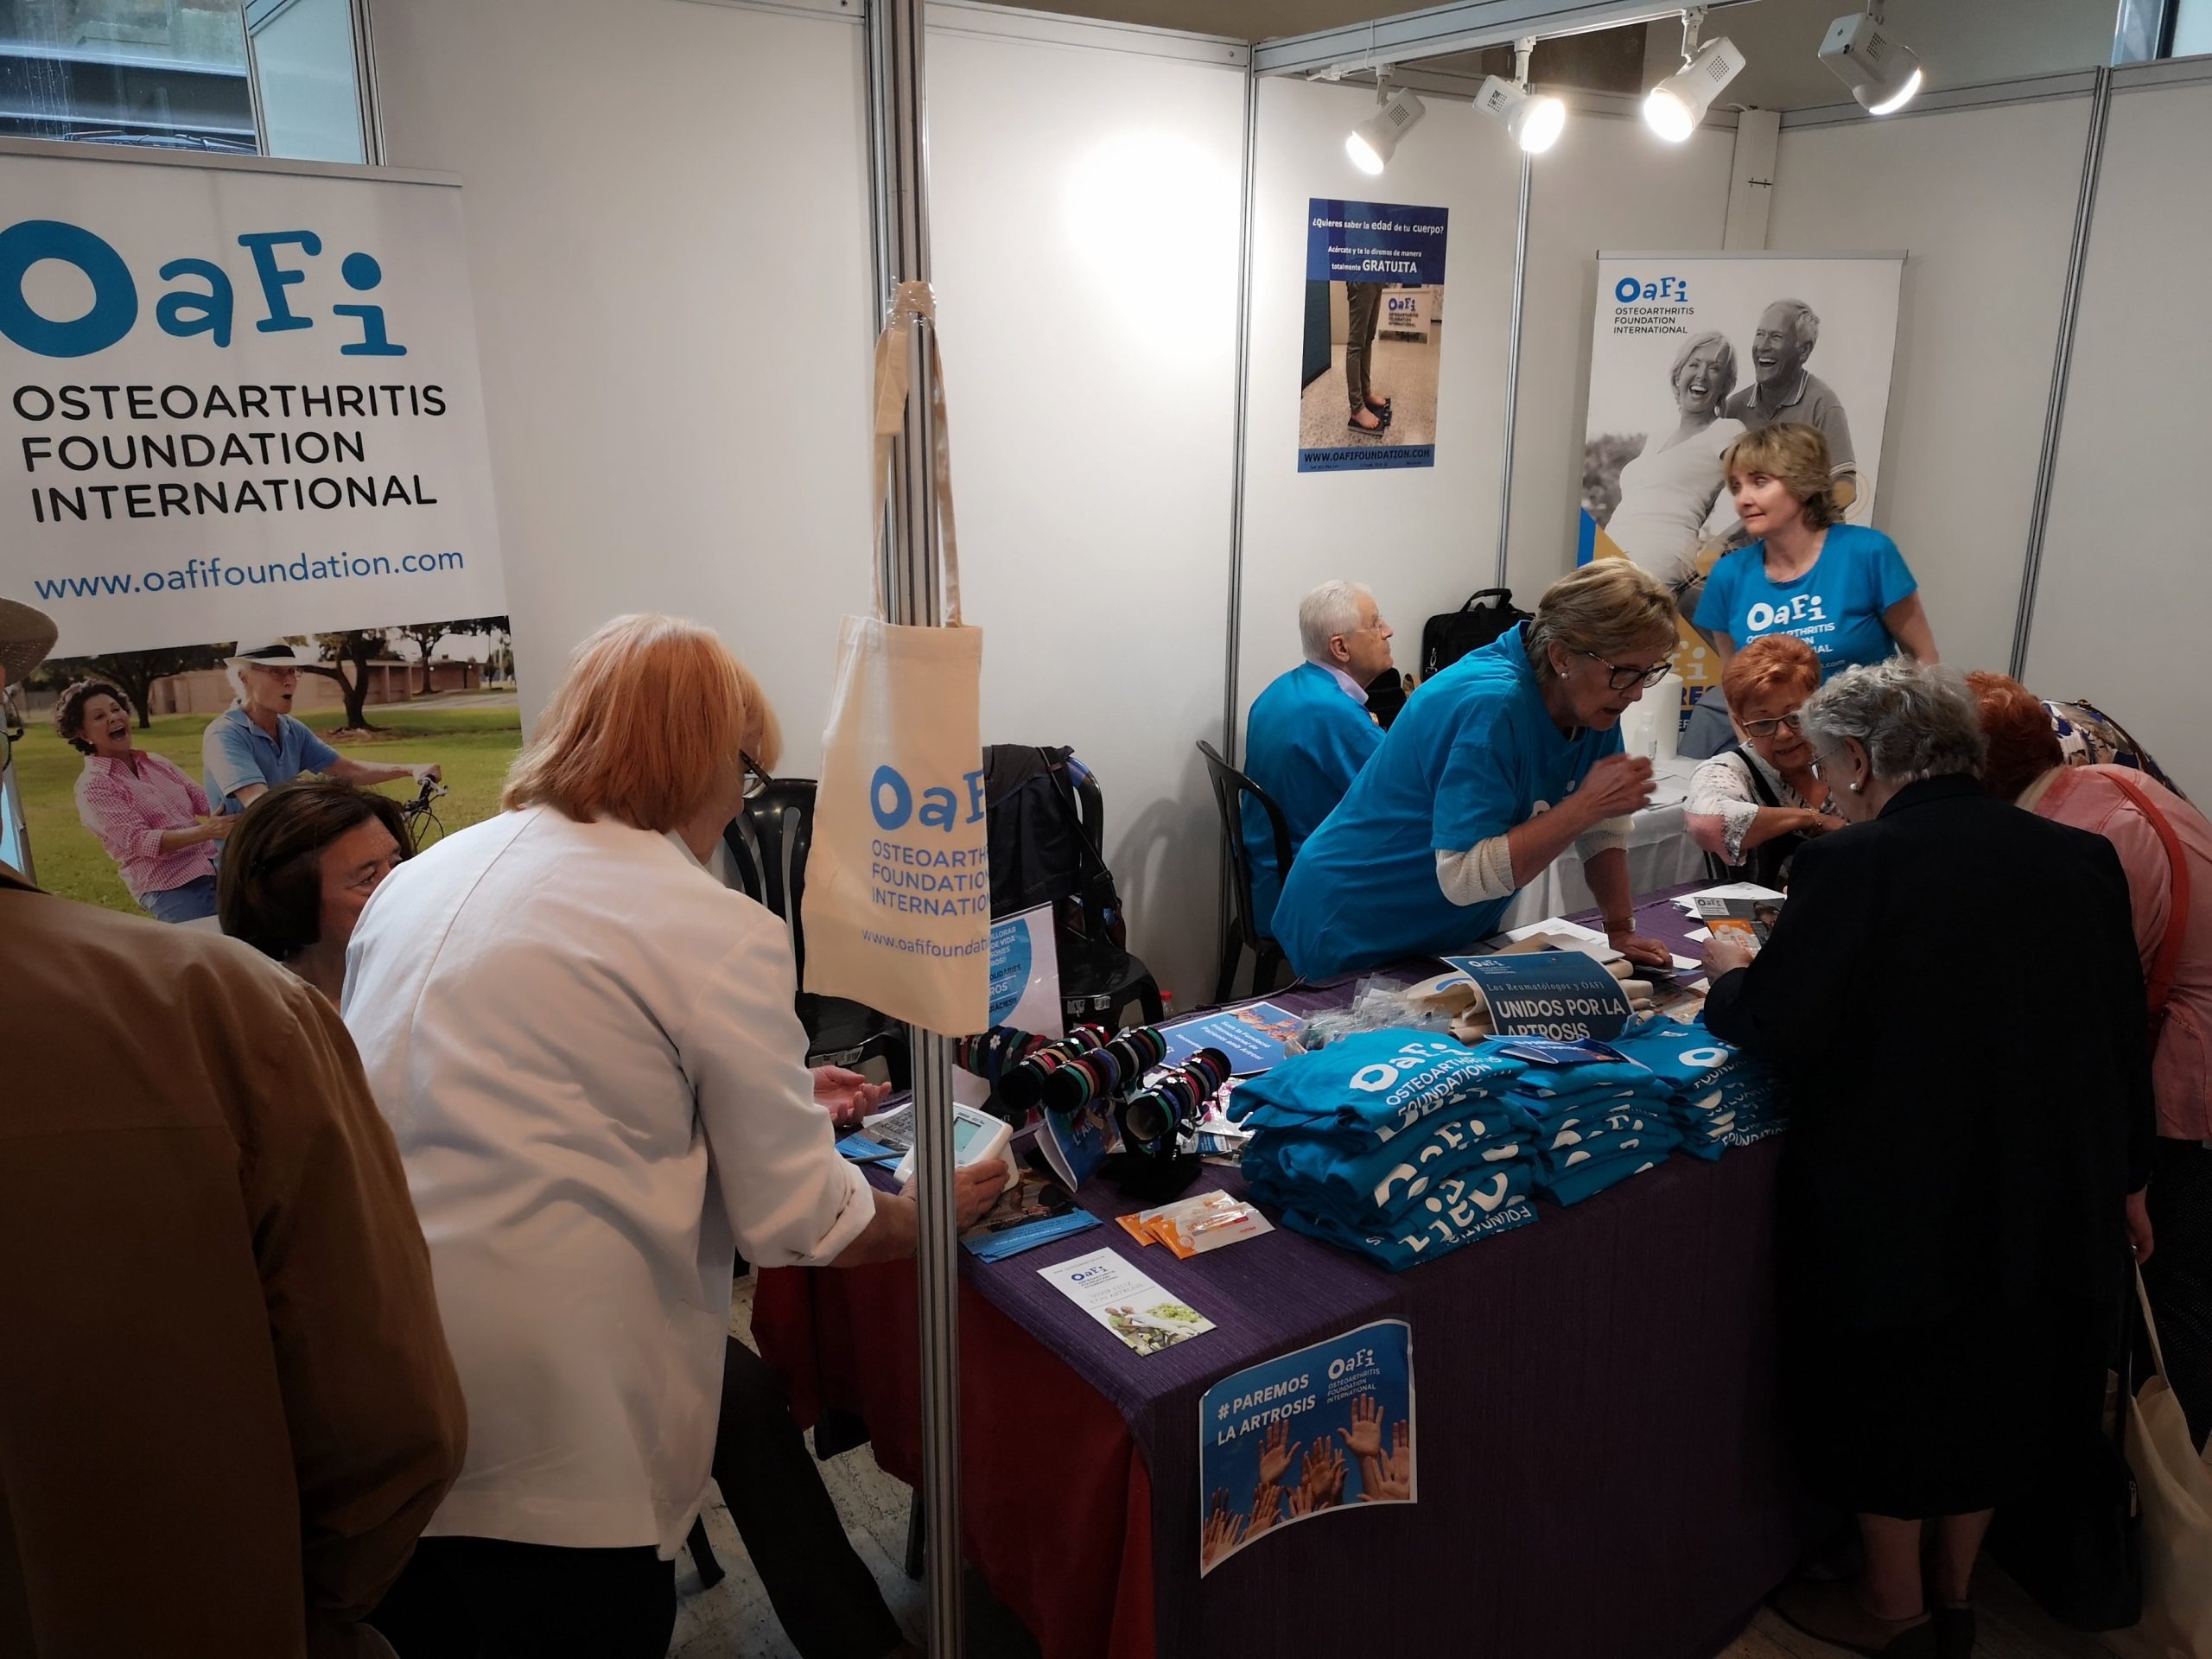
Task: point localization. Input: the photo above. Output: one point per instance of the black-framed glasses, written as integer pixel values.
(1795, 721)
(1619, 679)
(757, 777)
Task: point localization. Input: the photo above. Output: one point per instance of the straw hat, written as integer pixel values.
(26, 636)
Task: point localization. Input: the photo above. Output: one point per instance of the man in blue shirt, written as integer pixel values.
(258, 744)
(1309, 733)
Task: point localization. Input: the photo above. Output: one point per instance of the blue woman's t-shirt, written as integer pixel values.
(1836, 607)
(1472, 753)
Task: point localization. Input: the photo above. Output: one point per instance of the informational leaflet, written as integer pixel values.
(1255, 1037)
(1561, 993)
(1025, 973)
(1328, 1427)
(1126, 1301)
(1034, 1211)
(1076, 1143)
(1370, 335)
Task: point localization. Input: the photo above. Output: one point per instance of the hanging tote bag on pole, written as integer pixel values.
(898, 906)
(2176, 1490)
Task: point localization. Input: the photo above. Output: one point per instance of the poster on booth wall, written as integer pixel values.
(248, 479)
(1374, 333)
(1329, 1428)
(1691, 351)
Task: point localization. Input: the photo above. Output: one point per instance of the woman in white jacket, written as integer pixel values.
(586, 1048)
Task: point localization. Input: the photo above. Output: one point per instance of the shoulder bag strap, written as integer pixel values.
(893, 376)
(2159, 982)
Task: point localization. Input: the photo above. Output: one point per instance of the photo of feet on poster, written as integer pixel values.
(1374, 332)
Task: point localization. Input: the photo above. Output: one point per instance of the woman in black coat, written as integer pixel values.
(1954, 997)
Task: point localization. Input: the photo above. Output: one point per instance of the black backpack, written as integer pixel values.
(1045, 828)
(1447, 638)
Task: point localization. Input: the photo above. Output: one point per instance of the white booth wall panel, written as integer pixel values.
(668, 222)
(1982, 202)
(1608, 185)
(1422, 538)
(1084, 209)
(2126, 588)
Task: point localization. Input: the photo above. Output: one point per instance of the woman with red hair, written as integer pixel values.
(2165, 847)
(1756, 803)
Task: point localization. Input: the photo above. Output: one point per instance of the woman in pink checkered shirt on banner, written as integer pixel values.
(147, 811)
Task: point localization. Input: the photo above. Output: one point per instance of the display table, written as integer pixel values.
(1600, 1467)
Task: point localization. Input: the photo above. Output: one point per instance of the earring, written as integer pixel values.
(1856, 789)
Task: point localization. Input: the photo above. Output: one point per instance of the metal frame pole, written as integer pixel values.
(2054, 417)
(1513, 371)
(900, 119)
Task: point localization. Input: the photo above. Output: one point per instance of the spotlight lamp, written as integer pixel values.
(1375, 140)
(1883, 72)
(1674, 107)
(1533, 120)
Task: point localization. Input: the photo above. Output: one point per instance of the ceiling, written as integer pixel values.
(1960, 42)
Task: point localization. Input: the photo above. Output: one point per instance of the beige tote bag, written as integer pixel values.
(2176, 1485)
(898, 906)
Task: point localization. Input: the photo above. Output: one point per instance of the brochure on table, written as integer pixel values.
(1126, 1301)
(1562, 994)
(1255, 1037)
(1329, 1428)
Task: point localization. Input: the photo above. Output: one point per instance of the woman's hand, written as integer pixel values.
(1636, 948)
(975, 1189)
(2139, 1226)
(847, 1095)
(1725, 953)
(1812, 821)
(1617, 786)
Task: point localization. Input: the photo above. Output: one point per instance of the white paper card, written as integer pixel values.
(1126, 1301)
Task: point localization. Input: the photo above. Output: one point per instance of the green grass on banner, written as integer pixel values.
(474, 744)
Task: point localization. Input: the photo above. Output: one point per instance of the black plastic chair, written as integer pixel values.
(1230, 787)
(768, 844)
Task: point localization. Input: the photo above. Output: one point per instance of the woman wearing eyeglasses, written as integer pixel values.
(1498, 766)
(586, 1047)
(1954, 1218)
(1755, 803)
(1844, 589)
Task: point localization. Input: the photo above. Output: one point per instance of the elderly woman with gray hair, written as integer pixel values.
(1955, 1210)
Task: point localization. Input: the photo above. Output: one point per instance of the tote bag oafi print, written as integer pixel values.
(898, 906)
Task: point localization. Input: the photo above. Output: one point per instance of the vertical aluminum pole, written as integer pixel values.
(2061, 369)
(901, 124)
(1513, 371)
(1236, 469)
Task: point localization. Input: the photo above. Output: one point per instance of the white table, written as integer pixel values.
(1659, 854)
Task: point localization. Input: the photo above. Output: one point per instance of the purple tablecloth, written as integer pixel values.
(1599, 1459)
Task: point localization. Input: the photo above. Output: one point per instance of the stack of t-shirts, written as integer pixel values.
(1397, 1145)
(1598, 1123)
(1721, 1097)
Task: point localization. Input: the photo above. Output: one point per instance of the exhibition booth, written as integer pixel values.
(661, 247)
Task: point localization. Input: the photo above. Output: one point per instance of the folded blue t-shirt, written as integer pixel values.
(1356, 1179)
(1458, 1212)
(1587, 1180)
(1376, 1084)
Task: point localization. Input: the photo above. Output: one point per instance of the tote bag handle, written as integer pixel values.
(893, 377)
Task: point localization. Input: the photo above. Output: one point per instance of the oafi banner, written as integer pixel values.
(1689, 352)
(241, 402)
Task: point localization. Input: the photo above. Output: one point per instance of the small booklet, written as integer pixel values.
(1255, 1037)
(1126, 1301)
(1753, 918)
(1035, 1210)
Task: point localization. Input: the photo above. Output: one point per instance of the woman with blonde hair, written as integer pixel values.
(1670, 486)
(585, 1045)
(1844, 589)
(1496, 766)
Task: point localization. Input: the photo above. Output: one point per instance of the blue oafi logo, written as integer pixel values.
(1631, 290)
(204, 300)
(891, 797)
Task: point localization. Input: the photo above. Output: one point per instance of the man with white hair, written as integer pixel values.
(1783, 389)
(258, 743)
(1309, 733)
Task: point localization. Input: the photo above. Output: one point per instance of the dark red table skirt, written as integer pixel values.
(1055, 1500)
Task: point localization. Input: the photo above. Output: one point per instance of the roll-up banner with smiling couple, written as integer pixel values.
(1691, 351)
